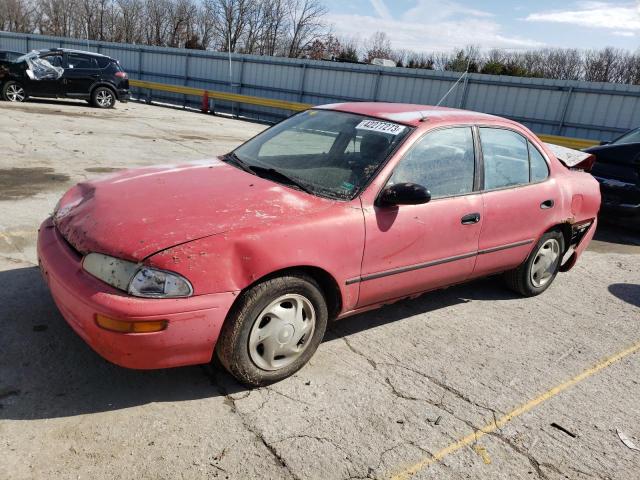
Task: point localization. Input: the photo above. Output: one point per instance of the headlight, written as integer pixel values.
(137, 280)
(149, 282)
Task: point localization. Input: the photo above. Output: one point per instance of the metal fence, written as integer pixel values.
(599, 111)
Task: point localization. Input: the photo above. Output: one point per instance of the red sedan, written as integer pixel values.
(332, 212)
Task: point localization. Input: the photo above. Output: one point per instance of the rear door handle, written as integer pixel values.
(547, 204)
(470, 219)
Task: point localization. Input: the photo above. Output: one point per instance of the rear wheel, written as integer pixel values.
(273, 330)
(537, 273)
(103, 97)
(13, 92)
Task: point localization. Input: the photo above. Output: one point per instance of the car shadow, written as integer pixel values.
(628, 292)
(47, 371)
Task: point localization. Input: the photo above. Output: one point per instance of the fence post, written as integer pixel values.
(376, 87)
(465, 91)
(186, 79)
(565, 108)
(303, 76)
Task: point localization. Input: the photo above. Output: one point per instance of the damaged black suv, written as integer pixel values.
(63, 73)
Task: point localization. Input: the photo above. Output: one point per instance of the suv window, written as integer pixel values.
(54, 60)
(103, 62)
(80, 61)
(539, 168)
(442, 161)
(506, 158)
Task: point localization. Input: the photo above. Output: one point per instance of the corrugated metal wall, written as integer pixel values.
(598, 111)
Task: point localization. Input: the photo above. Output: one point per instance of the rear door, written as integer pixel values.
(414, 248)
(520, 199)
(80, 73)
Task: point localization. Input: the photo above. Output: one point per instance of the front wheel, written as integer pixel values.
(539, 271)
(103, 97)
(273, 330)
(14, 92)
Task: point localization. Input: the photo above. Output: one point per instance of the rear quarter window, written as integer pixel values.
(103, 62)
(538, 165)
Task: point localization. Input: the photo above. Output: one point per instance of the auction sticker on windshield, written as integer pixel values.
(382, 127)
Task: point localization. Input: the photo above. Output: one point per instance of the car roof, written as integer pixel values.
(414, 115)
(70, 50)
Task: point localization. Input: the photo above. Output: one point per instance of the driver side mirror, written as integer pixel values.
(604, 142)
(403, 194)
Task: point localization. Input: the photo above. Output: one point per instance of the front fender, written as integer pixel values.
(332, 241)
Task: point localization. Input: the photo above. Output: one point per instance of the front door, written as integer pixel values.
(414, 248)
(46, 81)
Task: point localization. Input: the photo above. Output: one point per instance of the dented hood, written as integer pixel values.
(136, 213)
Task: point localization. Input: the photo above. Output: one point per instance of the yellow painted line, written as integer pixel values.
(499, 423)
(229, 97)
(575, 143)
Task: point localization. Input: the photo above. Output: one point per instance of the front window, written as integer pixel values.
(328, 153)
(442, 161)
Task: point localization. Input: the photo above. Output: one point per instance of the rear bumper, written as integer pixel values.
(123, 95)
(193, 323)
(580, 247)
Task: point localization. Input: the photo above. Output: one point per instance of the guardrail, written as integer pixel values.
(575, 143)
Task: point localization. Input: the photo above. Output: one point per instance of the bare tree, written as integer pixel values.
(306, 24)
(378, 46)
(16, 16)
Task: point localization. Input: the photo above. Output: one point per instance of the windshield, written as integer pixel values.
(327, 153)
(631, 137)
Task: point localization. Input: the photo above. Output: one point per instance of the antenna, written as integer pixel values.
(464, 74)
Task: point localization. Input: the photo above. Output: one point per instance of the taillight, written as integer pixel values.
(586, 164)
(121, 74)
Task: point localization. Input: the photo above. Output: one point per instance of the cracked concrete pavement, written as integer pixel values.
(386, 389)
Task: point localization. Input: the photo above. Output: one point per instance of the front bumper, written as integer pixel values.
(193, 323)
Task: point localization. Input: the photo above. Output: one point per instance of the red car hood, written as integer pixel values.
(136, 213)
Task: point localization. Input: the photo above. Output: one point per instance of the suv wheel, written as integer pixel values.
(537, 273)
(13, 92)
(273, 330)
(103, 97)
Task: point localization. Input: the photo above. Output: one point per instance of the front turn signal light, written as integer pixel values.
(126, 326)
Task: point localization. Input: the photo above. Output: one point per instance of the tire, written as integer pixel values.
(14, 92)
(250, 342)
(103, 97)
(539, 271)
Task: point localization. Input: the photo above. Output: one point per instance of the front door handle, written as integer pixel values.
(470, 219)
(547, 204)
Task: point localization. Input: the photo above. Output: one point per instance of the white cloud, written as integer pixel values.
(381, 9)
(429, 26)
(621, 17)
(623, 34)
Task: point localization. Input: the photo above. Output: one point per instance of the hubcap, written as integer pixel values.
(545, 263)
(15, 93)
(282, 332)
(104, 98)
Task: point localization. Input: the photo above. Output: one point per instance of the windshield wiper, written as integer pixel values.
(273, 173)
(235, 160)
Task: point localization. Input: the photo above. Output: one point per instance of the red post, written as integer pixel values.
(205, 102)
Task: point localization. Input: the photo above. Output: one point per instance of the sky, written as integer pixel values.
(442, 25)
